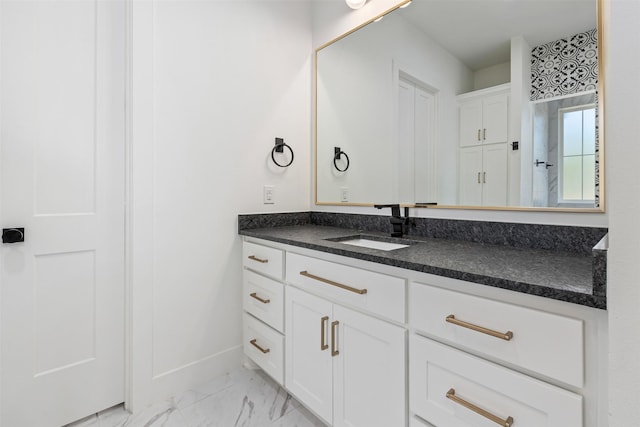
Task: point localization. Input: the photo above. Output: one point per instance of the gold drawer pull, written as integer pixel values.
(255, 296)
(334, 346)
(332, 283)
(260, 260)
(502, 335)
(323, 344)
(451, 394)
(255, 344)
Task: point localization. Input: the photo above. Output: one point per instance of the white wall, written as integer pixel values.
(358, 108)
(213, 83)
(622, 139)
(492, 76)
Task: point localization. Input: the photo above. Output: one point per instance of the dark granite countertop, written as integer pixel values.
(556, 274)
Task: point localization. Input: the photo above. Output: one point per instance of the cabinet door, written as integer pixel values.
(308, 365)
(470, 176)
(470, 123)
(369, 372)
(495, 119)
(494, 175)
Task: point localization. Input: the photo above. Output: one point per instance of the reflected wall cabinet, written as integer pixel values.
(483, 118)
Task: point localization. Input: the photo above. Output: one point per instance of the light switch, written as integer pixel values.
(344, 194)
(269, 195)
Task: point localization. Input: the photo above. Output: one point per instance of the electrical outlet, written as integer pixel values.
(268, 195)
(344, 194)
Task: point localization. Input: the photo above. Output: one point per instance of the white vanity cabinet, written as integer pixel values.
(364, 345)
(345, 365)
(483, 118)
(263, 304)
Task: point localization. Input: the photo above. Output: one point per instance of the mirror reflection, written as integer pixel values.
(487, 103)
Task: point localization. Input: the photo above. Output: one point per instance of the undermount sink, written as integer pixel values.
(370, 243)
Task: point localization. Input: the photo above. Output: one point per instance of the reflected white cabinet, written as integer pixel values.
(483, 175)
(346, 366)
(483, 134)
(484, 116)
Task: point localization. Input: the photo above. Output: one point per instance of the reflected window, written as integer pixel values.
(577, 132)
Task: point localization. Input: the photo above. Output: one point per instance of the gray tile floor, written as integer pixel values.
(242, 398)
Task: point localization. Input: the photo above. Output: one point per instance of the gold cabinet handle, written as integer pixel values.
(254, 343)
(255, 296)
(484, 134)
(502, 335)
(508, 422)
(479, 178)
(484, 177)
(332, 283)
(323, 344)
(260, 260)
(334, 346)
(478, 134)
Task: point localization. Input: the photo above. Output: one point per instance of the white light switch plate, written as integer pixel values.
(268, 197)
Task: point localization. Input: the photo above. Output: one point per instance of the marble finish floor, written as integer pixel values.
(242, 398)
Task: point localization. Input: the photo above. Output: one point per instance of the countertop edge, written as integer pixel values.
(588, 300)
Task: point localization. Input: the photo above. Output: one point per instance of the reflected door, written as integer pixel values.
(416, 151)
(62, 165)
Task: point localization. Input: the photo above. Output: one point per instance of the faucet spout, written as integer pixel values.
(397, 221)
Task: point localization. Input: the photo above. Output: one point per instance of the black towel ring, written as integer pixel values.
(279, 148)
(336, 156)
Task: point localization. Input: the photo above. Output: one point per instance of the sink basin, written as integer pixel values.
(382, 244)
(374, 244)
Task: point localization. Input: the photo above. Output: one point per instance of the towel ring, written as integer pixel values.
(279, 148)
(336, 156)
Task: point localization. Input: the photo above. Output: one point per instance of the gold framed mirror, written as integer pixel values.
(465, 104)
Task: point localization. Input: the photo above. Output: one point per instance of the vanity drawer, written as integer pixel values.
(265, 347)
(264, 298)
(545, 343)
(263, 259)
(438, 371)
(374, 292)
(417, 422)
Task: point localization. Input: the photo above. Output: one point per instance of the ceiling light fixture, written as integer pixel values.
(355, 4)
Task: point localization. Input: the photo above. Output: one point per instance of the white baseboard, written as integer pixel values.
(187, 377)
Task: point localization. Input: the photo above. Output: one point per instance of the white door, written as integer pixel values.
(62, 172)
(470, 123)
(470, 176)
(495, 118)
(308, 361)
(406, 142)
(494, 175)
(416, 143)
(369, 372)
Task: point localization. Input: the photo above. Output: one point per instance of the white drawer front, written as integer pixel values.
(417, 422)
(371, 291)
(435, 369)
(549, 344)
(264, 298)
(265, 347)
(263, 259)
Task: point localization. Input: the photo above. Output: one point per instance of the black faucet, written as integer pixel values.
(398, 222)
